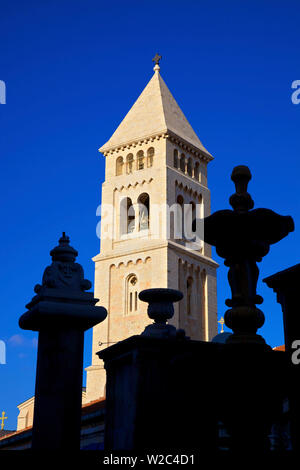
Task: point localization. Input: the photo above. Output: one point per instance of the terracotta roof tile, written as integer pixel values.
(5, 433)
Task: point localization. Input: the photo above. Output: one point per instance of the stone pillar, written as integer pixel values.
(286, 284)
(61, 312)
(252, 383)
(160, 392)
(243, 236)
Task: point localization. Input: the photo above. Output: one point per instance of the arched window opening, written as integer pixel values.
(127, 216)
(150, 155)
(175, 158)
(132, 293)
(129, 163)
(190, 167)
(197, 172)
(179, 222)
(189, 292)
(190, 215)
(182, 162)
(140, 160)
(144, 211)
(130, 216)
(119, 166)
(203, 304)
(193, 209)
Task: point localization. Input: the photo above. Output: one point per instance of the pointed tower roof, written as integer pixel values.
(155, 111)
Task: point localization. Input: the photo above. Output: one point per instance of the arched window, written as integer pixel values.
(144, 211)
(182, 162)
(190, 215)
(189, 295)
(150, 155)
(190, 167)
(140, 160)
(119, 166)
(132, 293)
(129, 163)
(193, 209)
(127, 216)
(179, 229)
(196, 171)
(175, 158)
(204, 306)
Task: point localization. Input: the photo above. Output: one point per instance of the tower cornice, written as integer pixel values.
(180, 249)
(164, 134)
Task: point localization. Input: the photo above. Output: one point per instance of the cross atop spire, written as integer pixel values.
(156, 59)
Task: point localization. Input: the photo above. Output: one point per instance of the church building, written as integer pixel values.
(154, 162)
(155, 174)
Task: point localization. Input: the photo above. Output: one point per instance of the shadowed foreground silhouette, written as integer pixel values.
(165, 391)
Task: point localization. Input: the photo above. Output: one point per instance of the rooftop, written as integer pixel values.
(155, 111)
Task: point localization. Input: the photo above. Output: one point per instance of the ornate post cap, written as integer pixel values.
(61, 299)
(160, 309)
(64, 252)
(241, 199)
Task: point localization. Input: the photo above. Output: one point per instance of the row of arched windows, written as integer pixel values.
(186, 165)
(130, 164)
(132, 217)
(136, 217)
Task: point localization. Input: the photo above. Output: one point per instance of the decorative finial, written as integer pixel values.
(156, 59)
(64, 252)
(243, 237)
(64, 274)
(241, 200)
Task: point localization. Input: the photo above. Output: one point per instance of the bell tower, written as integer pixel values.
(155, 174)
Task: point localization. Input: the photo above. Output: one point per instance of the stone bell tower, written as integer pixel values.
(156, 167)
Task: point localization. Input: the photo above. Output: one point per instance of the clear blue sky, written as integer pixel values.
(74, 68)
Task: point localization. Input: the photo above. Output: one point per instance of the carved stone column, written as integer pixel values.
(61, 312)
(252, 396)
(243, 237)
